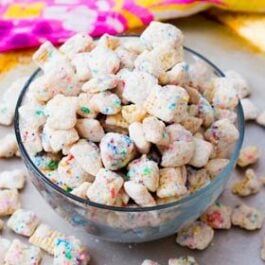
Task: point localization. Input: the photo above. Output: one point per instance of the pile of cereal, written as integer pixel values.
(127, 120)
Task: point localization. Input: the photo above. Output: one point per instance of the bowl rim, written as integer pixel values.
(87, 202)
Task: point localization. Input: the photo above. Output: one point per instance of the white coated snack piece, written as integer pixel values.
(149, 262)
(8, 146)
(84, 106)
(109, 41)
(105, 188)
(249, 109)
(9, 202)
(4, 246)
(248, 156)
(12, 179)
(197, 178)
(261, 119)
(133, 113)
(23, 222)
(44, 237)
(183, 261)
(195, 236)
(69, 250)
(81, 190)
(22, 254)
(216, 166)
(80, 62)
(248, 185)
(247, 217)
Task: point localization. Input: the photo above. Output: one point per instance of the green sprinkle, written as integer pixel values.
(52, 165)
(39, 113)
(127, 177)
(218, 204)
(68, 255)
(85, 109)
(68, 189)
(147, 171)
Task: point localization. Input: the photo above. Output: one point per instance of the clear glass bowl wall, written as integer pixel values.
(130, 225)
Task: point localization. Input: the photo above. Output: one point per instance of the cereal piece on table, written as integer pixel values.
(157, 61)
(172, 182)
(109, 41)
(218, 216)
(215, 166)
(117, 120)
(103, 60)
(249, 185)
(9, 202)
(12, 179)
(55, 140)
(100, 83)
(116, 150)
(87, 156)
(84, 106)
(192, 124)
(158, 33)
(31, 138)
(249, 109)
(247, 217)
(69, 250)
(198, 235)
(197, 178)
(122, 198)
(144, 171)
(155, 131)
(106, 103)
(4, 246)
(136, 133)
(262, 250)
(149, 262)
(239, 83)
(90, 129)
(44, 237)
(180, 151)
(225, 114)
(133, 113)
(202, 152)
(183, 261)
(136, 85)
(139, 193)
(6, 115)
(126, 57)
(80, 42)
(61, 112)
(8, 146)
(22, 254)
(261, 119)
(81, 65)
(168, 103)
(178, 75)
(23, 222)
(248, 156)
(71, 174)
(222, 132)
(105, 188)
(225, 96)
(81, 190)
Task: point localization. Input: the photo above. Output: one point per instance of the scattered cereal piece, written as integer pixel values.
(196, 236)
(88, 156)
(116, 150)
(239, 83)
(105, 188)
(133, 113)
(247, 218)
(45, 238)
(168, 103)
(136, 133)
(183, 261)
(144, 171)
(248, 156)
(81, 190)
(261, 119)
(249, 109)
(8, 146)
(4, 246)
(216, 166)
(262, 250)
(9, 202)
(197, 178)
(90, 129)
(218, 216)
(6, 114)
(139, 193)
(149, 262)
(23, 222)
(12, 179)
(69, 250)
(202, 152)
(172, 182)
(22, 254)
(249, 185)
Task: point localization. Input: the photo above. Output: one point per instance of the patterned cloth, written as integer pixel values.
(27, 23)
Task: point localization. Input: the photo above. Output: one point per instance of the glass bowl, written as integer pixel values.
(130, 225)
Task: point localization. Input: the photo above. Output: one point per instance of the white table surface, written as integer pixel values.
(231, 247)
